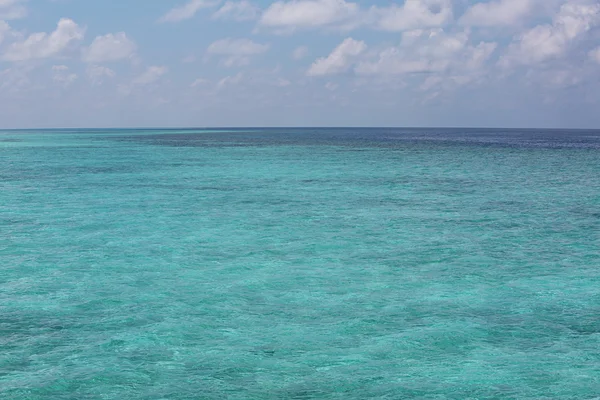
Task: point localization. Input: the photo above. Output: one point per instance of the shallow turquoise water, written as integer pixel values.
(300, 264)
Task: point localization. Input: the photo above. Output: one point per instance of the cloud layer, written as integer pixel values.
(46, 45)
(320, 55)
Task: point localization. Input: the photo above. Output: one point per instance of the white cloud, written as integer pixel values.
(431, 82)
(300, 52)
(230, 80)
(12, 9)
(433, 52)
(497, 13)
(187, 10)
(14, 79)
(281, 82)
(595, 55)
(235, 61)
(244, 47)
(556, 79)
(414, 14)
(4, 30)
(43, 45)
(331, 86)
(548, 41)
(479, 55)
(391, 61)
(188, 59)
(110, 47)
(308, 13)
(236, 51)
(345, 15)
(340, 59)
(199, 82)
(98, 73)
(62, 75)
(151, 75)
(237, 11)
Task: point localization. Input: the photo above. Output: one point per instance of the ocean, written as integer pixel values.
(300, 264)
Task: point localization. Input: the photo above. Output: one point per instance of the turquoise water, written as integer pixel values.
(300, 264)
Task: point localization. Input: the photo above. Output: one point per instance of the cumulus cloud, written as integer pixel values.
(432, 52)
(12, 9)
(236, 51)
(236, 47)
(340, 59)
(478, 55)
(4, 30)
(497, 13)
(62, 75)
(151, 75)
(419, 52)
(595, 55)
(14, 80)
(187, 10)
(230, 80)
(300, 52)
(237, 11)
(548, 41)
(331, 86)
(281, 82)
(308, 13)
(199, 82)
(414, 14)
(110, 47)
(556, 78)
(97, 74)
(44, 45)
(288, 16)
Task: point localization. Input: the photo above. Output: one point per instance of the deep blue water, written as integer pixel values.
(300, 264)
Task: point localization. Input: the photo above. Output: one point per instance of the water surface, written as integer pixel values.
(300, 264)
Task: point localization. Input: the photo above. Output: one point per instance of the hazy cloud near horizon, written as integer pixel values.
(497, 63)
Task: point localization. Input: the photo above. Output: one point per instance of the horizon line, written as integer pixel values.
(290, 127)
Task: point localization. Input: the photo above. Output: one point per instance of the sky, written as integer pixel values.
(230, 63)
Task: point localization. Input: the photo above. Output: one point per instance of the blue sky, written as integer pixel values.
(498, 63)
